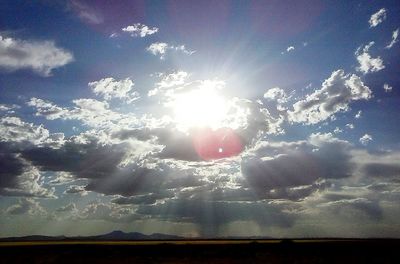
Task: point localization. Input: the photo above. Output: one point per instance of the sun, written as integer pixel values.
(200, 108)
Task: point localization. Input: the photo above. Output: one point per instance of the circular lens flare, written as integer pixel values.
(217, 144)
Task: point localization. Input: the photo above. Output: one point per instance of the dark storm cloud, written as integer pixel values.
(177, 145)
(382, 170)
(84, 160)
(297, 164)
(10, 167)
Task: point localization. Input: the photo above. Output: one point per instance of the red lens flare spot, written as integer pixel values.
(217, 144)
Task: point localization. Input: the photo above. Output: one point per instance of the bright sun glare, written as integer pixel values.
(200, 108)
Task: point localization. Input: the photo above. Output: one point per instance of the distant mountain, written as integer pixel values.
(115, 235)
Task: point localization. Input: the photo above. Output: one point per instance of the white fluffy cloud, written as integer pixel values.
(335, 95)
(169, 80)
(110, 88)
(387, 88)
(365, 139)
(367, 63)
(377, 18)
(290, 48)
(90, 112)
(160, 49)
(277, 94)
(40, 56)
(139, 30)
(395, 36)
(16, 130)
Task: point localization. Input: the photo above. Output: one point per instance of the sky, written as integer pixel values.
(200, 118)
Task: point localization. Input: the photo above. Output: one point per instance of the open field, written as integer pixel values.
(202, 251)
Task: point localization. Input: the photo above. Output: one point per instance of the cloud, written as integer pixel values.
(40, 56)
(160, 49)
(211, 215)
(347, 208)
(365, 139)
(71, 207)
(26, 205)
(150, 198)
(86, 13)
(367, 63)
(337, 130)
(9, 108)
(395, 36)
(61, 178)
(139, 30)
(168, 81)
(377, 18)
(110, 212)
(296, 169)
(358, 115)
(289, 49)
(76, 189)
(47, 109)
(387, 88)
(382, 170)
(335, 95)
(277, 94)
(90, 112)
(18, 177)
(16, 130)
(110, 88)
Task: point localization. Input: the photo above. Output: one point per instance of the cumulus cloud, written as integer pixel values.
(76, 189)
(358, 115)
(168, 81)
(387, 88)
(337, 130)
(61, 178)
(16, 130)
(110, 88)
(90, 112)
(377, 18)
(296, 169)
(160, 49)
(9, 108)
(109, 212)
(395, 36)
(26, 206)
(18, 176)
(335, 95)
(290, 48)
(277, 94)
(66, 208)
(367, 63)
(40, 56)
(365, 139)
(140, 30)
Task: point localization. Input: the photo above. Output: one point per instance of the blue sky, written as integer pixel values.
(209, 118)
